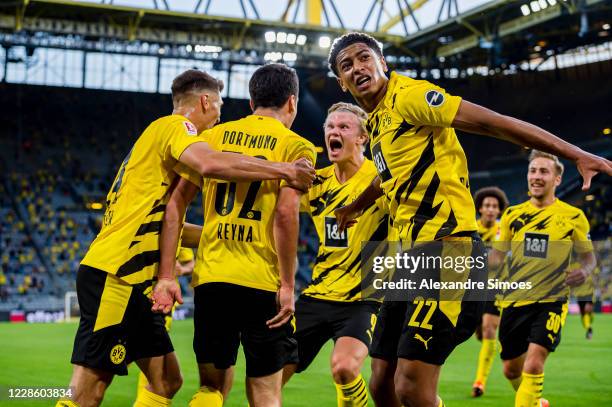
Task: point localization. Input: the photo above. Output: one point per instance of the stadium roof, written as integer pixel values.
(299, 32)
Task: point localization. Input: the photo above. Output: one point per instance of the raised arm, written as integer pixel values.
(286, 229)
(238, 167)
(346, 216)
(167, 290)
(476, 119)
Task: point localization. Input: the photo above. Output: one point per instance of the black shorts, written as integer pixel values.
(318, 321)
(116, 325)
(491, 308)
(582, 302)
(226, 315)
(419, 330)
(539, 323)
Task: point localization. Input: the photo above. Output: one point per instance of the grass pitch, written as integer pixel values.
(578, 374)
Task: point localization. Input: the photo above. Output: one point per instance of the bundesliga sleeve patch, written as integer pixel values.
(434, 98)
(191, 129)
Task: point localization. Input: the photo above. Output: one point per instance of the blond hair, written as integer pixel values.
(362, 116)
(541, 154)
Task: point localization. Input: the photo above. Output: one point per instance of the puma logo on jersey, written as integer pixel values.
(420, 338)
(552, 338)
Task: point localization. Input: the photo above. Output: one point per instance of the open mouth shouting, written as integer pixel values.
(363, 82)
(334, 146)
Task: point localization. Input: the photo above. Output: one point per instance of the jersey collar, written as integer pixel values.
(393, 79)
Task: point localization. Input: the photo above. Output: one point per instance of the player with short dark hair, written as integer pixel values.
(540, 235)
(117, 325)
(246, 258)
(334, 305)
(423, 173)
(490, 204)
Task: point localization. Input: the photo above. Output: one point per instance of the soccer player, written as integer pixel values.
(333, 305)
(585, 295)
(117, 325)
(422, 171)
(246, 259)
(490, 203)
(540, 233)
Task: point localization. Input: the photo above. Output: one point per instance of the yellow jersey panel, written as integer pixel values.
(541, 241)
(489, 234)
(128, 243)
(185, 255)
(337, 273)
(237, 244)
(422, 167)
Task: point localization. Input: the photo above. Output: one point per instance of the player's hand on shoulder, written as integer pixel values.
(165, 293)
(286, 307)
(346, 217)
(589, 165)
(301, 175)
(575, 277)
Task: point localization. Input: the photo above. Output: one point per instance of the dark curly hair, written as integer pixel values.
(494, 192)
(349, 39)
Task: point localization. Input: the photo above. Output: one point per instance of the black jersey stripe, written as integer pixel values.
(157, 209)
(149, 227)
(401, 130)
(425, 161)
(426, 211)
(447, 227)
(138, 262)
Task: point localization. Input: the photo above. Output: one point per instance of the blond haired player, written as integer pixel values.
(247, 254)
(540, 234)
(117, 325)
(333, 305)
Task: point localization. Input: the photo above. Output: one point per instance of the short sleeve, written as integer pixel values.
(426, 104)
(580, 236)
(505, 235)
(179, 135)
(300, 148)
(184, 171)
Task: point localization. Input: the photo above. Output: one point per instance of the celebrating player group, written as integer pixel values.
(255, 176)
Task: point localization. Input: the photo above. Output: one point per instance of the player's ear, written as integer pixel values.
(204, 102)
(251, 105)
(383, 63)
(292, 103)
(341, 84)
(558, 180)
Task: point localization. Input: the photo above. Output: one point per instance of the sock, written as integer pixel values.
(485, 360)
(147, 398)
(441, 403)
(530, 390)
(587, 319)
(516, 382)
(207, 397)
(66, 403)
(353, 394)
(142, 383)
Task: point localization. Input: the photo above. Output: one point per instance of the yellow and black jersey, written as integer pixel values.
(489, 234)
(237, 244)
(541, 241)
(422, 167)
(337, 274)
(128, 243)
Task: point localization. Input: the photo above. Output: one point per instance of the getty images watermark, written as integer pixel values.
(459, 270)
